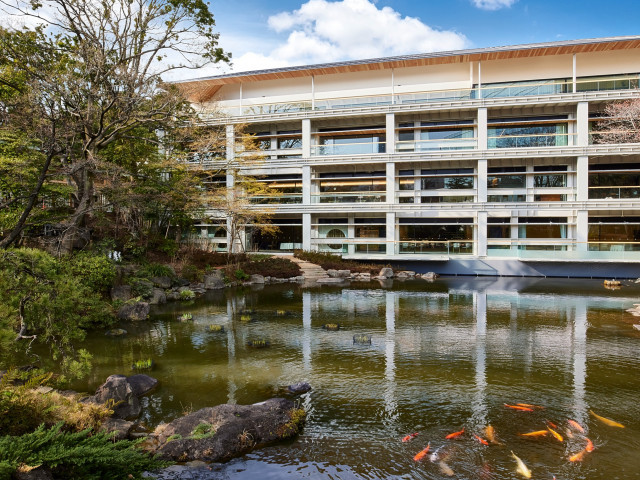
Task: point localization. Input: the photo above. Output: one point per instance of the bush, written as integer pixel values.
(187, 295)
(272, 267)
(156, 270)
(240, 275)
(96, 271)
(74, 455)
(335, 262)
(192, 273)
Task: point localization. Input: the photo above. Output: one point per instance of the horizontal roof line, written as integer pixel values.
(419, 56)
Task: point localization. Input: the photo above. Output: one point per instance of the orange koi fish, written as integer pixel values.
(589, 447)
(518, 407)
(409, 437)
(537, 433)
(528, 405)
(490, 434)
(454, 434)
(606, 421)
(578, 457)
(481, 440)
(575, 425)
(551, 424)
(556, 434)
(420, 455)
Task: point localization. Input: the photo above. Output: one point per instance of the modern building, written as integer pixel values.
(485, 161)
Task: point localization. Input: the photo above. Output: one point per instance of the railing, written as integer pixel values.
(614, 193)
(535, 140)
(435, 247)
(279, 200)
(563, 249)
(435, 145)
(524, 89)
(357, 197)
(348, 149)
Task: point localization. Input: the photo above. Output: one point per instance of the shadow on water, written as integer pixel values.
(443, 356)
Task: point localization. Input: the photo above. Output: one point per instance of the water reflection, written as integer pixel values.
(444, 355)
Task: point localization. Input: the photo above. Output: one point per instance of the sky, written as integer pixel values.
(263, 34)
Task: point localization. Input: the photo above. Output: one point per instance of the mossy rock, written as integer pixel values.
(362, 339)
(258, 343)
(332, 327)
(116, 332)
(216, 328)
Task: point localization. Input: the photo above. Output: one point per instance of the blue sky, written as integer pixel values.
(267, 34)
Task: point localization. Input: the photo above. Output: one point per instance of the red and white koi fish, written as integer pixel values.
(575, 425)
(454, 434)
(421, 454)
(519, 407)
(409, 437)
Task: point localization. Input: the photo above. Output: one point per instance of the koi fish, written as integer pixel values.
(575, 425)
(420, 455)
(578, 457)
(551, 424)
(481, 440)
(589, 447)
(454, 434)
(490, 433)
(537, 433)
(606, 421)
(518, 407)
(409, 437)
(555, 434)
(446, 469)
(528, 405)
(522, 468)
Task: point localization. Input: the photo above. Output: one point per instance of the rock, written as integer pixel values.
(430, 276)
(636, 326)
(363, 277)
(402, 275)
(386, 272)
(118, 390)
(142, 384)
(43, 390)
(121, 292)
(121, 428)
(637, 280)
(299, 278)
(299, 388)
(173, 296)
(330, 280)
(134, 311)
(158, 297)
(256, 279)
(142, 288)
(163, 282)
(344, 273)
(180, 282)
(37, 473)
(213, 282)
(220, 433)
(116, 332)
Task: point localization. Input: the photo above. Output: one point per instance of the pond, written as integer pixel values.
(444, 356)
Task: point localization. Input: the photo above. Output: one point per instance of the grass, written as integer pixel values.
(258, 343)
(203, 430)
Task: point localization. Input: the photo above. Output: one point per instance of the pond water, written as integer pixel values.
(443, 356)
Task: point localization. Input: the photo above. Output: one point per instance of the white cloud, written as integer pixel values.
(493, 4)
(328, 31)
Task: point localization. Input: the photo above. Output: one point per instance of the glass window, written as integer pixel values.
(371, 231)
(506, 181)
(516, 136)
(552, 180)
(506, 198)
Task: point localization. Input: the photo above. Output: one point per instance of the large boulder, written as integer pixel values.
(162, 282)
(121, 292)
(257, 279)
(220, 433)
(134, 311)
(142, 288)
(213, 281)
(117, 390)
(142, 384)
(118, 427)
(386, 272)
(158, 297)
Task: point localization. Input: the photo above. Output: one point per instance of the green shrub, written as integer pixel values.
(192, 273)
(96, 271)
(74, 455)
(156, 270)
(271, 267)
(187, 295)
(240, 275)
(141, 288)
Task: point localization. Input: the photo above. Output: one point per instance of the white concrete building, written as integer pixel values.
(479, 161)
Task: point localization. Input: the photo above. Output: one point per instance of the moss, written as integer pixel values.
(175, 436)
(203, 430)
(297, 417)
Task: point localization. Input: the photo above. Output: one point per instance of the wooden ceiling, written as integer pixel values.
(200, 90)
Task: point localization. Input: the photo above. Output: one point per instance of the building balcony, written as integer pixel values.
(436, 145)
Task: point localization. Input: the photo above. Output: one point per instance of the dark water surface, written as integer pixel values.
(444, 356)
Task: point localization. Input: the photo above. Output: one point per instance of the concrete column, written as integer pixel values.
(391, 233)
(481, 186)
(514, 228)
(306, 231)
(351, 233)
(582, 179)
(482, 128)
(231, 140)
(582, 230)
(306, 138)
(582, 124)
(306, 185)
(391, 182)
(391, 133)
(481, 237)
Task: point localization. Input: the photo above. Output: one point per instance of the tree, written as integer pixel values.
(620, 123)
(105, 87)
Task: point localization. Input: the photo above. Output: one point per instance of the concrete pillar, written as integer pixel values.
(306, 138)
(306, 185)
(582, 179)
(231, 140)
(481, 237)
(482, 128)
(582, 230)
(391, 182)
(391, 133)
(582, 124)
(306, 231)
(481, 186)
(391, 233)
(351, 233)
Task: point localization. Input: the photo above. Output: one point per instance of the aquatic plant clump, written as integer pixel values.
(331, 326)
(185, 317)
(258, 343)
(216, 328)
(187, 295)
(362, 339)
(245, 318)
(144, 364)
